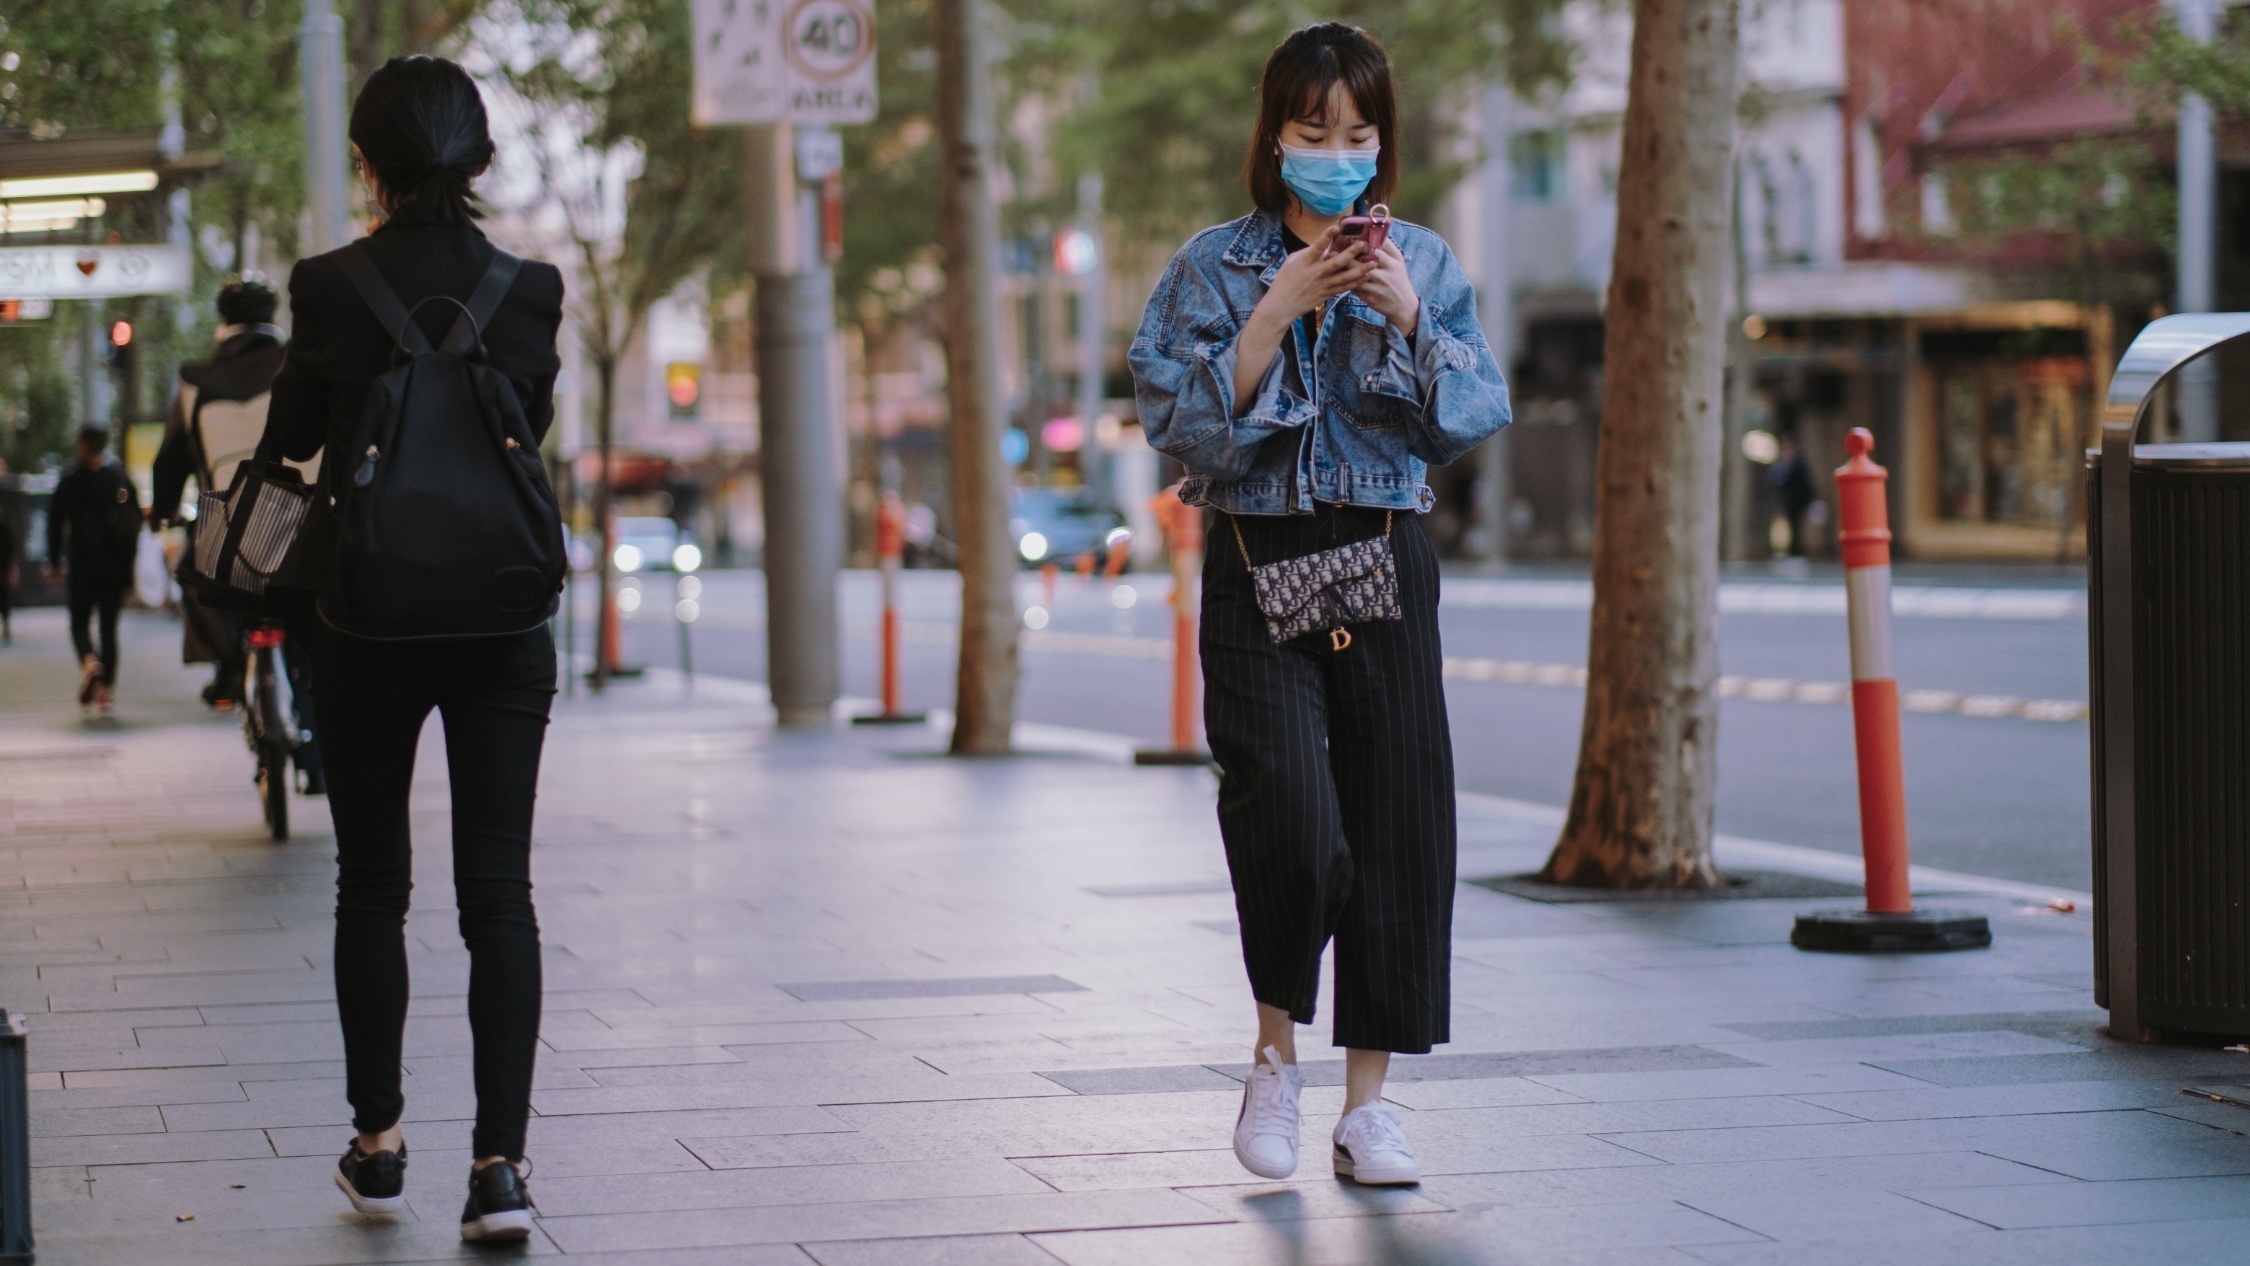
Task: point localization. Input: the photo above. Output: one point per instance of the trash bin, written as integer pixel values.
(2168, 553)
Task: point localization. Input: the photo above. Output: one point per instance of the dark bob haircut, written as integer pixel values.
(246, 302)
(420, 123)
(1300, 73)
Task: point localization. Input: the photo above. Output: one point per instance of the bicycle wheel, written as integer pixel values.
(272, 748)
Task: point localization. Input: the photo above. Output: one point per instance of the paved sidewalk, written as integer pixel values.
(833, 998)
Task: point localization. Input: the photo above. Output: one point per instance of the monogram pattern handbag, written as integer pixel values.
(1350, 584)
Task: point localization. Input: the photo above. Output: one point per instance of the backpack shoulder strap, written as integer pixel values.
(468, 332)
(379, 296)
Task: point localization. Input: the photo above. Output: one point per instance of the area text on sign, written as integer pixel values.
(784, 61)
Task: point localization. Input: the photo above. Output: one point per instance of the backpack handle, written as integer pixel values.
(466, 336)
(397, 318)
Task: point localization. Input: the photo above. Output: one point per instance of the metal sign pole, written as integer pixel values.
(320, 42)
(789, 72)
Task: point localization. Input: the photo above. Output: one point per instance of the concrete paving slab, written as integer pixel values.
(830, 998)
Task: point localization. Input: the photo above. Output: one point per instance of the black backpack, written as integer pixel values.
(445, 524)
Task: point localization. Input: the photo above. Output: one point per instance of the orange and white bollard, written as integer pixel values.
(1183, 530)
(1866, 538)
(890, 554)
(1889, 922)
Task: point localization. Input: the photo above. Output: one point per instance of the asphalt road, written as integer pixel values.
(2002, 796)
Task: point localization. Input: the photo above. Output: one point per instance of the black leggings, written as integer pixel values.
(91, 592)
(1336, 791)
(494, 696)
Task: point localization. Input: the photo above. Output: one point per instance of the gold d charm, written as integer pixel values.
(1338, 639)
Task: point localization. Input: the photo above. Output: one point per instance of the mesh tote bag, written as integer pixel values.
(253, 539)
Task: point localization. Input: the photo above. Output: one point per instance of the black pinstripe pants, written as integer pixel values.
(1336, 790)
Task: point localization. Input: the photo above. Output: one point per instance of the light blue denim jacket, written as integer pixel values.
(1363, 431)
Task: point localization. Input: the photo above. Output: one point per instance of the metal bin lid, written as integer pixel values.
(2225, 456)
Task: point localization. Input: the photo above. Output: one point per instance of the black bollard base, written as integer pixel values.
(1914, 932)
(892, 718)
(1169, 756)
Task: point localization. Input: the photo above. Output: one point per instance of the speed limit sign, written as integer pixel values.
(784, 61)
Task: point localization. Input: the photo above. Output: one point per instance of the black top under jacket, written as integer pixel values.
(337, 348)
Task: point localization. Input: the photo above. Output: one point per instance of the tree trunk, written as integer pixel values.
(985, 690)
(605, 523)
(1641, 806)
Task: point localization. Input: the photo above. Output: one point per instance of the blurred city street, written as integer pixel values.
(2000, 795)
(819, 997)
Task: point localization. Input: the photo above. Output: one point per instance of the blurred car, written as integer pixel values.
(1057, 525)
(651, 544)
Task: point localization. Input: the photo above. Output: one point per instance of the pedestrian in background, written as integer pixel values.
(94, 526)
(216, 420)
(10, 548)
(1793, 488)
(1308, 425)
(419, 133)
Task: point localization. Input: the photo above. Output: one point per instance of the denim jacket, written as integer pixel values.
(1363, 430)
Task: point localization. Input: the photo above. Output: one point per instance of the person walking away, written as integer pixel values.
(93, 530)
(1792, 483)
(420, 136)
(216, 420)
(1308, 426)
(9, 549)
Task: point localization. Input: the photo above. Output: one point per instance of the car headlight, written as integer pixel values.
(686, 557)
(628, 558)
(1033, 546)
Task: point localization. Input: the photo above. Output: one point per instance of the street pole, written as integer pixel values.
(1735, 537)
(797, 454)
(1494, 481)
(1093, 298)
(320, 59)
(2199, 379)
(985, 693)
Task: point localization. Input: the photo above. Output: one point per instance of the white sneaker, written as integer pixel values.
(1371, 1148)
(1265, 1134)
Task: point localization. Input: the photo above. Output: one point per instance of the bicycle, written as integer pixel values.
(266, 725)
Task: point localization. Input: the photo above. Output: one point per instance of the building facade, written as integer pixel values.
(1975, 348)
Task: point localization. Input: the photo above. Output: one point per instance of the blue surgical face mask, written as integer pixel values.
(1327, 181)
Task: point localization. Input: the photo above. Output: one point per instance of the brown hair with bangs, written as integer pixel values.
(1300, 73)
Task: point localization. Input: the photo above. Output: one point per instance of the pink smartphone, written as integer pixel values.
(1374, 228)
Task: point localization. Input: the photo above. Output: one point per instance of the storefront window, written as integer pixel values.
(2008, 435)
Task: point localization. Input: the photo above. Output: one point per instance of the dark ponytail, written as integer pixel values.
(420, 123)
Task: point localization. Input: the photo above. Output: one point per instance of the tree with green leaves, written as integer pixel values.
(600, 89)
(2100, 200)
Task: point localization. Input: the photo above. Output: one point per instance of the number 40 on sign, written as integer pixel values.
(784, 61)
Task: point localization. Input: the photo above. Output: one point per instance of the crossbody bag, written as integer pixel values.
(1350, 584)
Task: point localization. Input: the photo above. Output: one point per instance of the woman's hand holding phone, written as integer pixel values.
(1389, 290)
(1311, 277)
(1308, 279)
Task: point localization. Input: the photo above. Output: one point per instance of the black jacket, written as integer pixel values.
(82, 519)
(242, 369)
(337, 348)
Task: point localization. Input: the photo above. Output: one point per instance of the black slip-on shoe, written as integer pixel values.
(376, 1184)
(499, 1207)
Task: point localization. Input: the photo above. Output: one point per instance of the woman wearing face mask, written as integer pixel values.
(1309, 426)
